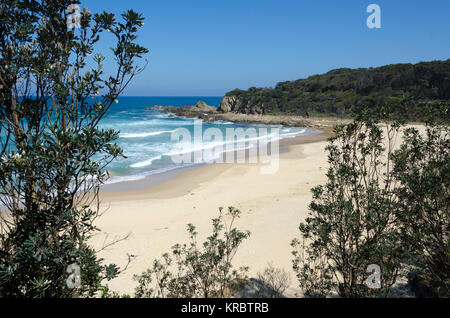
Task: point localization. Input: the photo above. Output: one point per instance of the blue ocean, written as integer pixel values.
(146, 135)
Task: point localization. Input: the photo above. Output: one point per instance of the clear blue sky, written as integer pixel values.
(206, 48)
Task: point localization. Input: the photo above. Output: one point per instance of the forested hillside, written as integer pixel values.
(409, 88)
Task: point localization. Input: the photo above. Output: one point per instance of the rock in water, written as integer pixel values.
(202, 106)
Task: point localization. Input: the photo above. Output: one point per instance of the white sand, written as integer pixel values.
(272, 208)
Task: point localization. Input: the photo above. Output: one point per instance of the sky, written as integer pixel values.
(207, 48)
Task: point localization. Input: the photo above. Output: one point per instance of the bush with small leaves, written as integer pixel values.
(53, 155)
(352, 220)
(193, 271)
(422, 168)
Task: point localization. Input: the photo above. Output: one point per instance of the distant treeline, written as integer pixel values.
(410, 89)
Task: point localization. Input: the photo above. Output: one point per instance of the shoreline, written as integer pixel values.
(272, 206)
(322, 125)
(211, 114)
(158, 179)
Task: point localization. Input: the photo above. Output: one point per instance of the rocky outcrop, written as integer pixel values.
(200, 110)
(234, 104)
(228, 104)
(212, 114)
(203, 107)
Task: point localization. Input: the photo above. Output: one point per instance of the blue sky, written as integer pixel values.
(206, 48)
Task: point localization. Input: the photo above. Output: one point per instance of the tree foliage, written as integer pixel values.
(53, 94)
(381, 205)
(422, 167)
(352, 221)
(411, 89)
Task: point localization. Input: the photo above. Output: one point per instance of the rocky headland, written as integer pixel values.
(227, 111)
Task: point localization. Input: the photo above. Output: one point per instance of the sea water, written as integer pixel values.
(146, 136)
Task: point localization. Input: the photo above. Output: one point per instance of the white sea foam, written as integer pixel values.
(153, 122)
(146, 134)
(145, 163)
(144, 154)
(160, 115)
(287, 134)
(143, 175)
(222, 122)
(190, 147)
(220, 146)
(118, 179)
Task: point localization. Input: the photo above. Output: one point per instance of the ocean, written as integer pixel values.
(146, 136)
(154, 143)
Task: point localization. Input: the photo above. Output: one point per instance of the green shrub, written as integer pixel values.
(53, 155)
(352, 217)
(422, 168)
(193, 271)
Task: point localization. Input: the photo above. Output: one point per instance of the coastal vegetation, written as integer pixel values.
(53, 94)
(380, 207)
(411, 89)
(422, 170)
(205, 271)
(351, 223)
(191, 270)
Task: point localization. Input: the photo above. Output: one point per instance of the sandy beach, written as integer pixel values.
(224, 155)
(272, 207)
